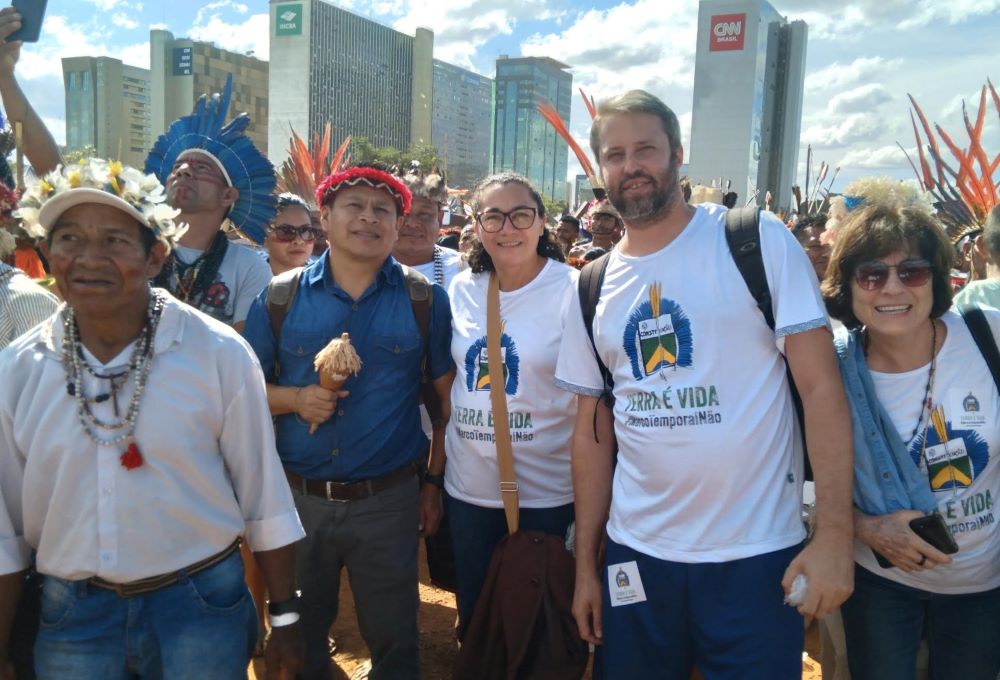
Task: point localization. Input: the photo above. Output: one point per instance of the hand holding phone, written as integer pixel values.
(933, 531)
(32, 14)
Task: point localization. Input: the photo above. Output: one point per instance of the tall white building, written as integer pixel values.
(747, 113)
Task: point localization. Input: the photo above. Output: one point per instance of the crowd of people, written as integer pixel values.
(180, 491)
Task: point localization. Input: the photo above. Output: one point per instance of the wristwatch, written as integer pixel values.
(436, 480)
(292, 605)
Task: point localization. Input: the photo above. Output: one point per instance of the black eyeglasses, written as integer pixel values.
(492, 220)
(288, 232)
(912, 273)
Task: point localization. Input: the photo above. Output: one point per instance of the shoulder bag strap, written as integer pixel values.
(743, 237)
(981, 333)
(498, 399)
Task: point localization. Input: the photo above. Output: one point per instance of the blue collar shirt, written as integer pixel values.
(376, 428)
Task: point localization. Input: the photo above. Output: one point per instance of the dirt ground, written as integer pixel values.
(437, 638)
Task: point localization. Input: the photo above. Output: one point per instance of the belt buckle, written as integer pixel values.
(329, 492)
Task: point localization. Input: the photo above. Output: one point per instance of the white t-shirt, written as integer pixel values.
(541, 415)
(451, 265)
(965, 480)
(709, 467)
(241, 277)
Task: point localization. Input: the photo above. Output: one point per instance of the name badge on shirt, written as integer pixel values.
(625, 584)
(970, 405)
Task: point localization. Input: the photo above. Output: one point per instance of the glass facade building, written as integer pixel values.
(461, 123)
(522, 139)
(108, 108)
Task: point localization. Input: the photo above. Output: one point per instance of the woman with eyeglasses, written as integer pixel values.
(290, 237)
(926, 425)
(536, 289)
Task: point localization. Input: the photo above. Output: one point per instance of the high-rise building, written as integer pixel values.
(463, 107)
(182, 70)
(747, 114)
(366, 79)
(108, 108)
(522, 140)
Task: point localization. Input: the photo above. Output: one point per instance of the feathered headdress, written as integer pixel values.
(246, 168)
(102, 182)
(550, 114)
(307, 166)
(963, 196)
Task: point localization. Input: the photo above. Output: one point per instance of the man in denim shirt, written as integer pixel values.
(354, 481)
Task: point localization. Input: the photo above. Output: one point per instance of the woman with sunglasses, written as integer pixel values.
(535, 292)
(926, 423)
(290, 237)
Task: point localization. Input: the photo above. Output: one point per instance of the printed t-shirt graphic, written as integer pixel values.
(657, 336)
(540, 415)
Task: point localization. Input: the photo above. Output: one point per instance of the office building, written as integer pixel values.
(460, 124)
(366, 79)
(747, 110)
(523, 141)
(182, 70)
(107, 108)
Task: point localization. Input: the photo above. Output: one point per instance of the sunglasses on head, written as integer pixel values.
(875, 274)
(288, 232)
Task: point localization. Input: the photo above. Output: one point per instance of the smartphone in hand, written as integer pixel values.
(32, 14)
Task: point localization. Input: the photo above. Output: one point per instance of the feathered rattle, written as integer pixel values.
(335, 363)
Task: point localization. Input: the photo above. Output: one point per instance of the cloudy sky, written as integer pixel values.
(864, 56)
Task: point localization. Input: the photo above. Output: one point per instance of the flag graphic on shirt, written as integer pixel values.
(951, 458)
(657, 336)
(477, 367)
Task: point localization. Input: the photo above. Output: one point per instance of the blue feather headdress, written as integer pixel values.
(247, 168)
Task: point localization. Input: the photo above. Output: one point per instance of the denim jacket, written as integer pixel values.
(885, 477)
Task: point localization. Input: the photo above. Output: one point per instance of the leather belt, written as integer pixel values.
(343, 492)
(154, 583)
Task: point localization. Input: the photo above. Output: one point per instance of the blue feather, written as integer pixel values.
(250, 171)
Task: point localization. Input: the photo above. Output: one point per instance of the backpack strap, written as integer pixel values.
(280, 296)
(590, 283)
(743, 237)
(983, 335)
(421, 298)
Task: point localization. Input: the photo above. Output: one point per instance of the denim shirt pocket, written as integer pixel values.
(298, 351)
(395, 356)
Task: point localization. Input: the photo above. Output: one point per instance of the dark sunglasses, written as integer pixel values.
(912, 273)
(287, 232)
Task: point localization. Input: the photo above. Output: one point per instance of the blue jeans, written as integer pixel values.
(727, 618)
(475, 532)
(884, 621)
(202, 627)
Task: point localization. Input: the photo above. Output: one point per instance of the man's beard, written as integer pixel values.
(649, 209)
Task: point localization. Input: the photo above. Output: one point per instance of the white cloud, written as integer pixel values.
(66, 39)
(211, 9)
(124, 21)
(462, 27)
(251, 35)
(862, 99)
(856, 128)
(838, 76)
(854, 18)
(881, 158)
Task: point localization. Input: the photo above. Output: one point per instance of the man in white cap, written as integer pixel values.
(136, 452)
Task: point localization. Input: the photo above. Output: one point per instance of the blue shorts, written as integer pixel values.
(727, 618)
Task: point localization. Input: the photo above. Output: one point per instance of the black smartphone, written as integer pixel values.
(932, 529)
(32, 14)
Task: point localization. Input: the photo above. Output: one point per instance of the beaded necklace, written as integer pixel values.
(193, 279)
(122, 428)
(926, 403)
(438, 267)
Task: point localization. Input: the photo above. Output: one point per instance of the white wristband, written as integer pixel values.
(283, 619)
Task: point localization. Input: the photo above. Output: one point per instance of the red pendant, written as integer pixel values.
(131, 459)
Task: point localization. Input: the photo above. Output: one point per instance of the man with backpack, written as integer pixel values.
(702, 510)
(355, 479)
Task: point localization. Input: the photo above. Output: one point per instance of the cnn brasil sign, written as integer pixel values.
(727, 32)
(288, 20)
